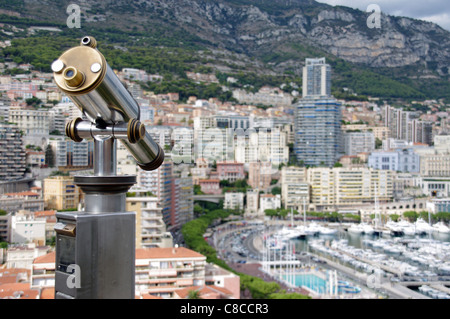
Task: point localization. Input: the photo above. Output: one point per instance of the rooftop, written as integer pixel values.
(46, 259)
(162, 253)
(204, 291)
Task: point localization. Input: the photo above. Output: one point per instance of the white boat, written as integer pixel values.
(327, 231)
(301, 231)
(288, 233)
(423, 227)
(386, 232)
(313, 229)
(355, 229)
(367, 229)
(441, 228)
(406, 227)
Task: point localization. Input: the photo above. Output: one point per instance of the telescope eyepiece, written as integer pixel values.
(73, 77)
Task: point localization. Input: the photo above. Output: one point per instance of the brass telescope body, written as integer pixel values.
(83, 74)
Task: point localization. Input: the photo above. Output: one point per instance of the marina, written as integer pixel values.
(331, 261)
(410, 254)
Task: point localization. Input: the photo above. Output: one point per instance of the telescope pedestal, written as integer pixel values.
(95, 249)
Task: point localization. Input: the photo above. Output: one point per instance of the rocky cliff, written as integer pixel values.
(261, 27)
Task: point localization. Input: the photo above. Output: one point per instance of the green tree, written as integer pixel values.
(411, 216)
(378, 143)
(271, 212)
(49, 157)
(276, 190)
(34, 101)
(194, 294)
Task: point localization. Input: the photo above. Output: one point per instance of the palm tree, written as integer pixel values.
(194, 294)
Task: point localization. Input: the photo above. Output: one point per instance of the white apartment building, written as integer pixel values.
(22, 256)
(204, 122)
(269, 201)
(183, 145)
(402, 160)
(69, 153)
(435, 161)
(213, 144)
(31, 122)
(26, 229)
(126, 164)
(151, 231)
(262, 145)
(294, 187)
(252, 202)
(161, 271)
(358, 142)
(234, 201)
(334, 187)
(265, 96)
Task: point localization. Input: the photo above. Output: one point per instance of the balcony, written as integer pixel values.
(162, 272)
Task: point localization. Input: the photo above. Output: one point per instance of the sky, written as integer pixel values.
(437, 11)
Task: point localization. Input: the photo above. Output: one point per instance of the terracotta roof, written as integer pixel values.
(209, 181)
(148, 296)
(48, 293)
(45, 259)
(153, 253)
(17, 291)
(204, 291)
(45, 213)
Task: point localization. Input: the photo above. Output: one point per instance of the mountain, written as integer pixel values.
(269, 36)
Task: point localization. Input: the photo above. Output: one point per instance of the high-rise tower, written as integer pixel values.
(318, 136)
(316, 78)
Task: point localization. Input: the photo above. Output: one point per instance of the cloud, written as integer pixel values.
(436, 11)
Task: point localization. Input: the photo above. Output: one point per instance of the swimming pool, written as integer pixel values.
(318, 284)
(310, 281)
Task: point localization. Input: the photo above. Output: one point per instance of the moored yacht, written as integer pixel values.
(356, 229)
(441, 228)
(422, 227)
(367, 229)
(407, 228)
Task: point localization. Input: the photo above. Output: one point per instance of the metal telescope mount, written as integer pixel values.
(95, 248)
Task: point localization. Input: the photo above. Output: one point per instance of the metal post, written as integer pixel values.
(105, 157)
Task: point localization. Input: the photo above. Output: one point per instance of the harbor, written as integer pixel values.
(330, 261)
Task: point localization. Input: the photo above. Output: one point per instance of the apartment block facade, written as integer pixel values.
(294, 187)
(151, 231)
(334, 187)
(12, 153)
(61, 193)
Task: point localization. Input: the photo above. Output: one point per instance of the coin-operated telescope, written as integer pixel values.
(95, 248)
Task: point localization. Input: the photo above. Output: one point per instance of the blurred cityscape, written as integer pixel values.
(350, 197)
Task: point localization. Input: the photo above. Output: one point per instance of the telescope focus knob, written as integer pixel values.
(71, 130)
(135, 131)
